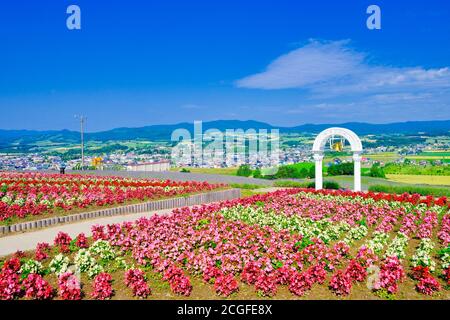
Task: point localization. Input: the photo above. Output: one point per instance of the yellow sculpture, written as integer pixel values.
(97, 161)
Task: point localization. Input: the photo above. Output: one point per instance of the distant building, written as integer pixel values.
(160, 166)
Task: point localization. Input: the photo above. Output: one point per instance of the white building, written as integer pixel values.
(160, 166)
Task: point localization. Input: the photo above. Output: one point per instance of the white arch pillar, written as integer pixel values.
(357, 171)
(318, 158)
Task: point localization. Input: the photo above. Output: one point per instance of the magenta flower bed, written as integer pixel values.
(296, 239)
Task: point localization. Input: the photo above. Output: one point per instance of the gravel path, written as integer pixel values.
(28, 241)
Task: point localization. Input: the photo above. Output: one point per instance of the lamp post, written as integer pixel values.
(82, 123)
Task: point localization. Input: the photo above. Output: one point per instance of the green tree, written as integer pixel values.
(376, 171)
(312, 172)
(303, 173)
(342, 169)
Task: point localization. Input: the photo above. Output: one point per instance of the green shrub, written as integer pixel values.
(376, 171)
(310, 185)
(244, 171)
(425, 191)
(184, 170)
(343, 169)
(257, 174)
(331, 185)
(301, 170)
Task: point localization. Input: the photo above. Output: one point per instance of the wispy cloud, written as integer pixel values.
(334, 69)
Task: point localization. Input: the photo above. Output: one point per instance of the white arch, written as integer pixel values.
(319, 146)
(350, 136)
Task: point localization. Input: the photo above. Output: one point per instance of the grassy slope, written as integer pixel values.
(420, 179)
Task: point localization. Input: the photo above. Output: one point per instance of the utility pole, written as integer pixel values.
(82, 123)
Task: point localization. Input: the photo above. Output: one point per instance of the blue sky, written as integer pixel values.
(137, 63)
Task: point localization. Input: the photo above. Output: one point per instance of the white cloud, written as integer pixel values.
(333, 69)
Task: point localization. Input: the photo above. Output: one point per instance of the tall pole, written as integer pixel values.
(82, 141)
(82, 122)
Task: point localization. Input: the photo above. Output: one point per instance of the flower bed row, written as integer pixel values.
(295, 240)
(33, 194)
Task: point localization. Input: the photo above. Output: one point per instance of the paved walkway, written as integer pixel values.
(29, 240)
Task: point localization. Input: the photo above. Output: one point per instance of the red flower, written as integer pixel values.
(428, 285)
(102, 287)
(266, 285)
(82, 242)
(12, 265)
(179, 283)
(250, 273)
(301, 282)
(41, 252)
(135, 279)
(341, 283)
(69, 287)
(356, 271)
(226, 285)
(211, 274)
(63, 240)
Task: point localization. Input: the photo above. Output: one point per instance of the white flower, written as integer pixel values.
(60, 264)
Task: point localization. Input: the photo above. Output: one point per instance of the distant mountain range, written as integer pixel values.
(163, 132)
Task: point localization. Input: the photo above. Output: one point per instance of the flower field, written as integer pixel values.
(290, 244)
(26, 195)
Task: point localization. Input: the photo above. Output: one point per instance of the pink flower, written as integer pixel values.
(37, 288)
(391, 273)
(102, 287)
(446, 274)
(9, 285)
(226, 285)
(69, 287)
